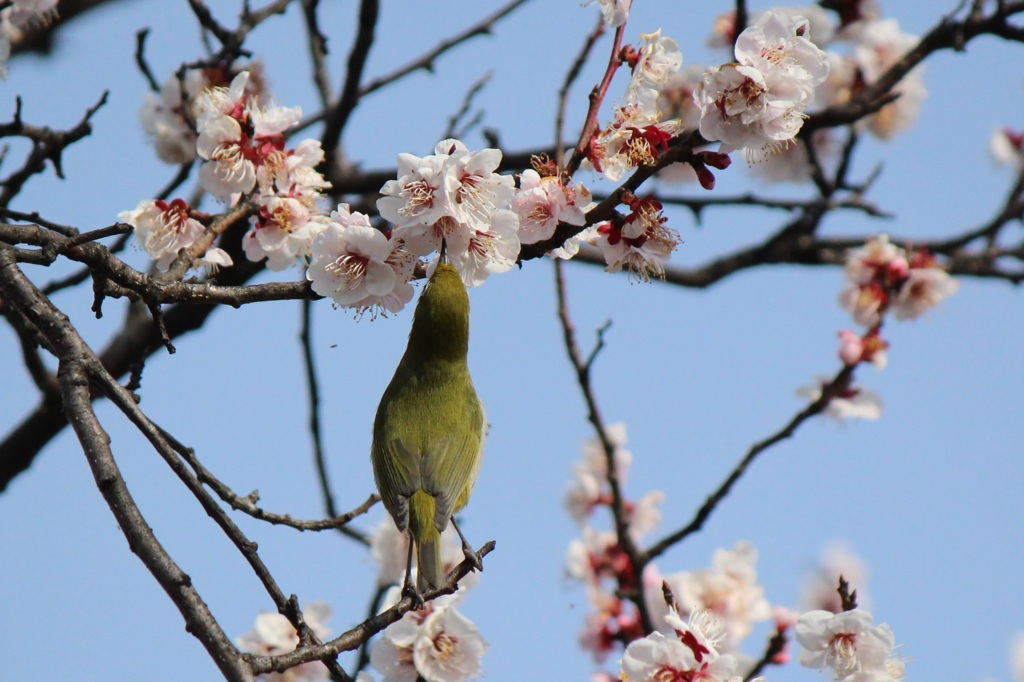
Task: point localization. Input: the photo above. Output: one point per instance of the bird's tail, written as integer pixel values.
(430, 572)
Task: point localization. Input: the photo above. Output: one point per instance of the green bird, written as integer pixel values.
(428, 435)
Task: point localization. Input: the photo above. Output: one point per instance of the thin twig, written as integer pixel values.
(582, 369)
(313, 387)
(839, 382)
(570, 78)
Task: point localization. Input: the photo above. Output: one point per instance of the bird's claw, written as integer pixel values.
(411, 592)
(472, 557)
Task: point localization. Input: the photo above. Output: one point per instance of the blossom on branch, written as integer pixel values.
(879, 46)
(850, 644)
(168, 118)
(882, 275)
(690, 652)
(455, 196)
(728, 589)
(641, 242)
(165, 228)
(758, 102)
(436, 643)
(542, 202)
(854, 348)
(615, 12)
(1007, 146)
(274, 635)
(852, 402)
(654, 64)
(358, 266)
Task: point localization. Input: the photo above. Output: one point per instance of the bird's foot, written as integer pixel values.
(468, 550)
(410, 591)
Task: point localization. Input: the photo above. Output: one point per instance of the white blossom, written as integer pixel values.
(163, 229)
(615, 12)
(848, 643)
(853, 402)
(273, 635)
(759, 101)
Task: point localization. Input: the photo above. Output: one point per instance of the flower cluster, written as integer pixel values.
(726, 595)
(358, 266)
(273, 635)
(728, 589)
(436, 643)
(168, 117)
(692, 651)
(243, 148)
(641, 241)
(545, 199)
(758, 102)
(638, 133)
(455, 196)
(165, 228)
(597, 559)
(867, 47)
(243, 145)
(882, 276)
(878, 46)
(850, 644)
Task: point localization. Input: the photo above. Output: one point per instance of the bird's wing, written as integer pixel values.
(452, 469)
(399, 476)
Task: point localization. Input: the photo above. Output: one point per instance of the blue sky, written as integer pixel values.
(929, 496)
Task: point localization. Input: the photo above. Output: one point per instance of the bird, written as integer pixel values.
(429, 431)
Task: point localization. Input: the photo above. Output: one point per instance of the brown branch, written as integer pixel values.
(776, 645)
(47, 145)
(467, 101)
(313, 386)
(597, 95)
(317, 42)
(949, 34)
(77, 364)
(582, 368)
(426, 62)
(354, 638)
(287, 606)
(838, 383)
(570, 77)
(247, 503)
(338, 115)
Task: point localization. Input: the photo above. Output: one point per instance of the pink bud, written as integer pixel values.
(851, 348)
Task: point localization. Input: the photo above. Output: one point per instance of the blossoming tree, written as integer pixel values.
(265, 202)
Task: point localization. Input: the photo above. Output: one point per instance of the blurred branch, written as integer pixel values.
(338, 115)
(776, 645)
(47, 145)
(317, 42)
(467, 101)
